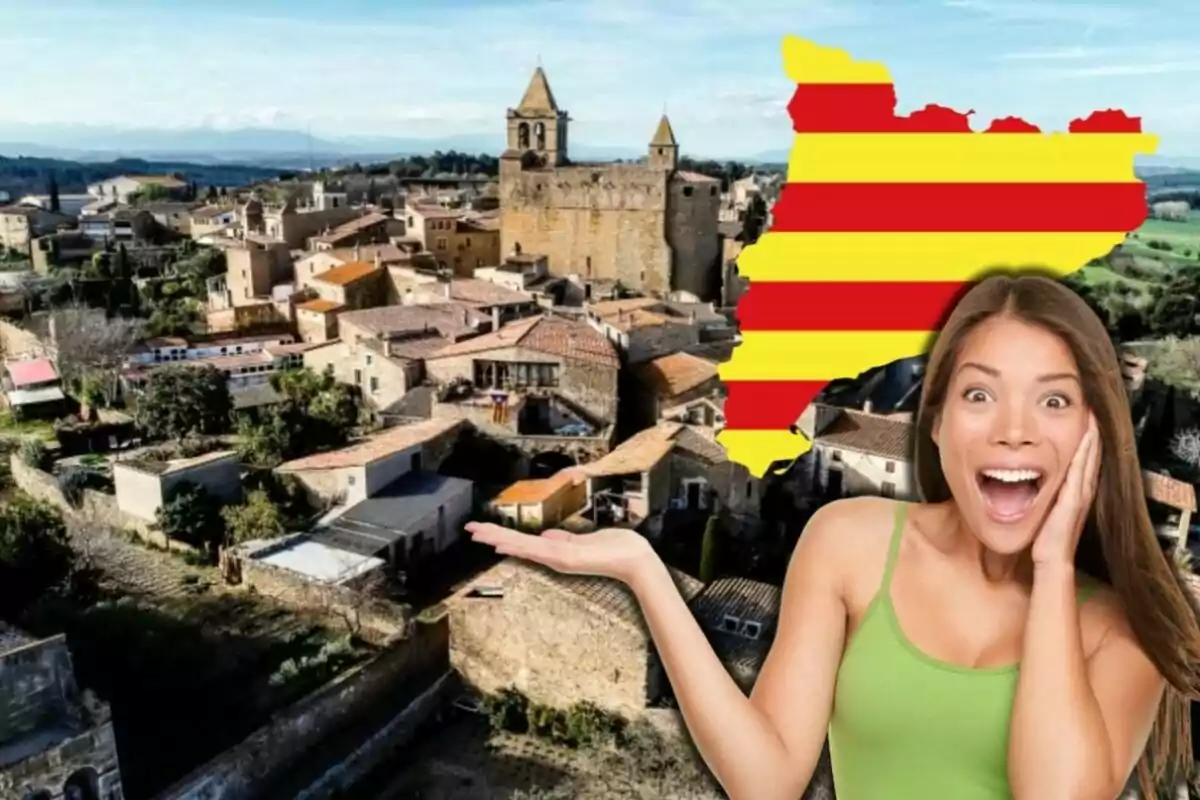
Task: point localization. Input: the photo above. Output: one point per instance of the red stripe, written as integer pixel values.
(847, 306)
(871, 108)
(865, 108)
(960, 207)
(768, 405)
(1112, 120)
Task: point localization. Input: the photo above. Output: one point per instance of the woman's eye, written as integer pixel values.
(1058, 401)
(975, 395)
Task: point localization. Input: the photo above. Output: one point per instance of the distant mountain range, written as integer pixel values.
(268, 147)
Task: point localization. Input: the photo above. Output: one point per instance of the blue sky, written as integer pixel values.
(429, 68)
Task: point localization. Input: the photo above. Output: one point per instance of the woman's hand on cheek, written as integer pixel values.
(1058, 537)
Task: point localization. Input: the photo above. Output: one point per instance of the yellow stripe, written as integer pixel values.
(809, 62)
(818, 355)
(966, 157)
(917, 257)
(756, 450)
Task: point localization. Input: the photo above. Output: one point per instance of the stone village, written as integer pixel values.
(538, 347)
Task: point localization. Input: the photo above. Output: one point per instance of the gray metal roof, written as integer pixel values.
(370, 526)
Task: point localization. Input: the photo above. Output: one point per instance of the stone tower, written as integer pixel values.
(537, 125)
(664, 149)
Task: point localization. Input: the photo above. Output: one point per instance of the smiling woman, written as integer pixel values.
(1017, 633)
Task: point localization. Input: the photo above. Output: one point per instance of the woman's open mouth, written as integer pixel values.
(1009, 494)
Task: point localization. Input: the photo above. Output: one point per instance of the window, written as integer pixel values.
(350, 480)
(836, 455)
(890, 467)
(441, 243)
(478, 262)
(713, 191)
(374, 384)
(687, 191)
(368, 359)
(415, 462)
(730, 624)
(749, 489)
(751, 630)
(467, 242)
(358, 377)
(888, 489)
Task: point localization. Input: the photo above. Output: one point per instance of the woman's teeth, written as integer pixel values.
(1012, 475)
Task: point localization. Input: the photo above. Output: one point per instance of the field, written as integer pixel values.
(1148, 257)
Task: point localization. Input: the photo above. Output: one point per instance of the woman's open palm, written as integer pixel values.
(611, 553)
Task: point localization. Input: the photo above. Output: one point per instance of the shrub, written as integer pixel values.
(71, 482)
(508, 710)
(33, 453)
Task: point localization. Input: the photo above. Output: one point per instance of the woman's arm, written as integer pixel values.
(1079, 724)
(766, 746)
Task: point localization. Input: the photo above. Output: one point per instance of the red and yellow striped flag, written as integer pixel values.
(886, 218)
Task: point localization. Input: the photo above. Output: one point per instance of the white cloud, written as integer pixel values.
(1091, 15)
(1056, 54)
(1126, 70)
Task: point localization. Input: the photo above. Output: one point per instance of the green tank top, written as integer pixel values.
(907, 726)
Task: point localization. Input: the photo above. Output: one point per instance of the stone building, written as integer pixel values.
(546, 385)
(650, 225)
(55, 741)
(559, 639)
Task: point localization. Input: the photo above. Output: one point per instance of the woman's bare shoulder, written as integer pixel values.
(850, 533)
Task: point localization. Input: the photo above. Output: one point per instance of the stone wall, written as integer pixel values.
(374, 618)
(16, 341)
(275, 753)
(551, 642)
(63, 737)
(603, 221)
(95, 508)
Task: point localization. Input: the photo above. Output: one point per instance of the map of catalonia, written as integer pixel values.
(884, 220)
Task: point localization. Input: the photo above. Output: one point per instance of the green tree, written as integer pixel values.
(183, 401)
(192, 516)
(709, 549)
(52, 190)
(35, 554)
(755, 220)
(256, 518)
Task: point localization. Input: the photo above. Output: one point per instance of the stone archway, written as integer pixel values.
(83, 784)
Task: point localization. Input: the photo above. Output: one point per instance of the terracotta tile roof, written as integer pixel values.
(608, 308)
(319, 306)
(374, 447)
(408, 348)
(450, 319)
(638, 453)
(387, 253)
(435, 212)
(550, 335)
(1169, 491)
(677, 373)
(746, 599)
(537, 491)
(869, 433)
(347, 274)
(352, 227)
(485, 293)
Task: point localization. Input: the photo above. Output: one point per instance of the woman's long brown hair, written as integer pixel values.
(1118, 545)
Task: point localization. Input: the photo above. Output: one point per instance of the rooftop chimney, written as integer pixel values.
(357, 252)
(378, 260)
(868, 406)
(446, 290)
(495, 318)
